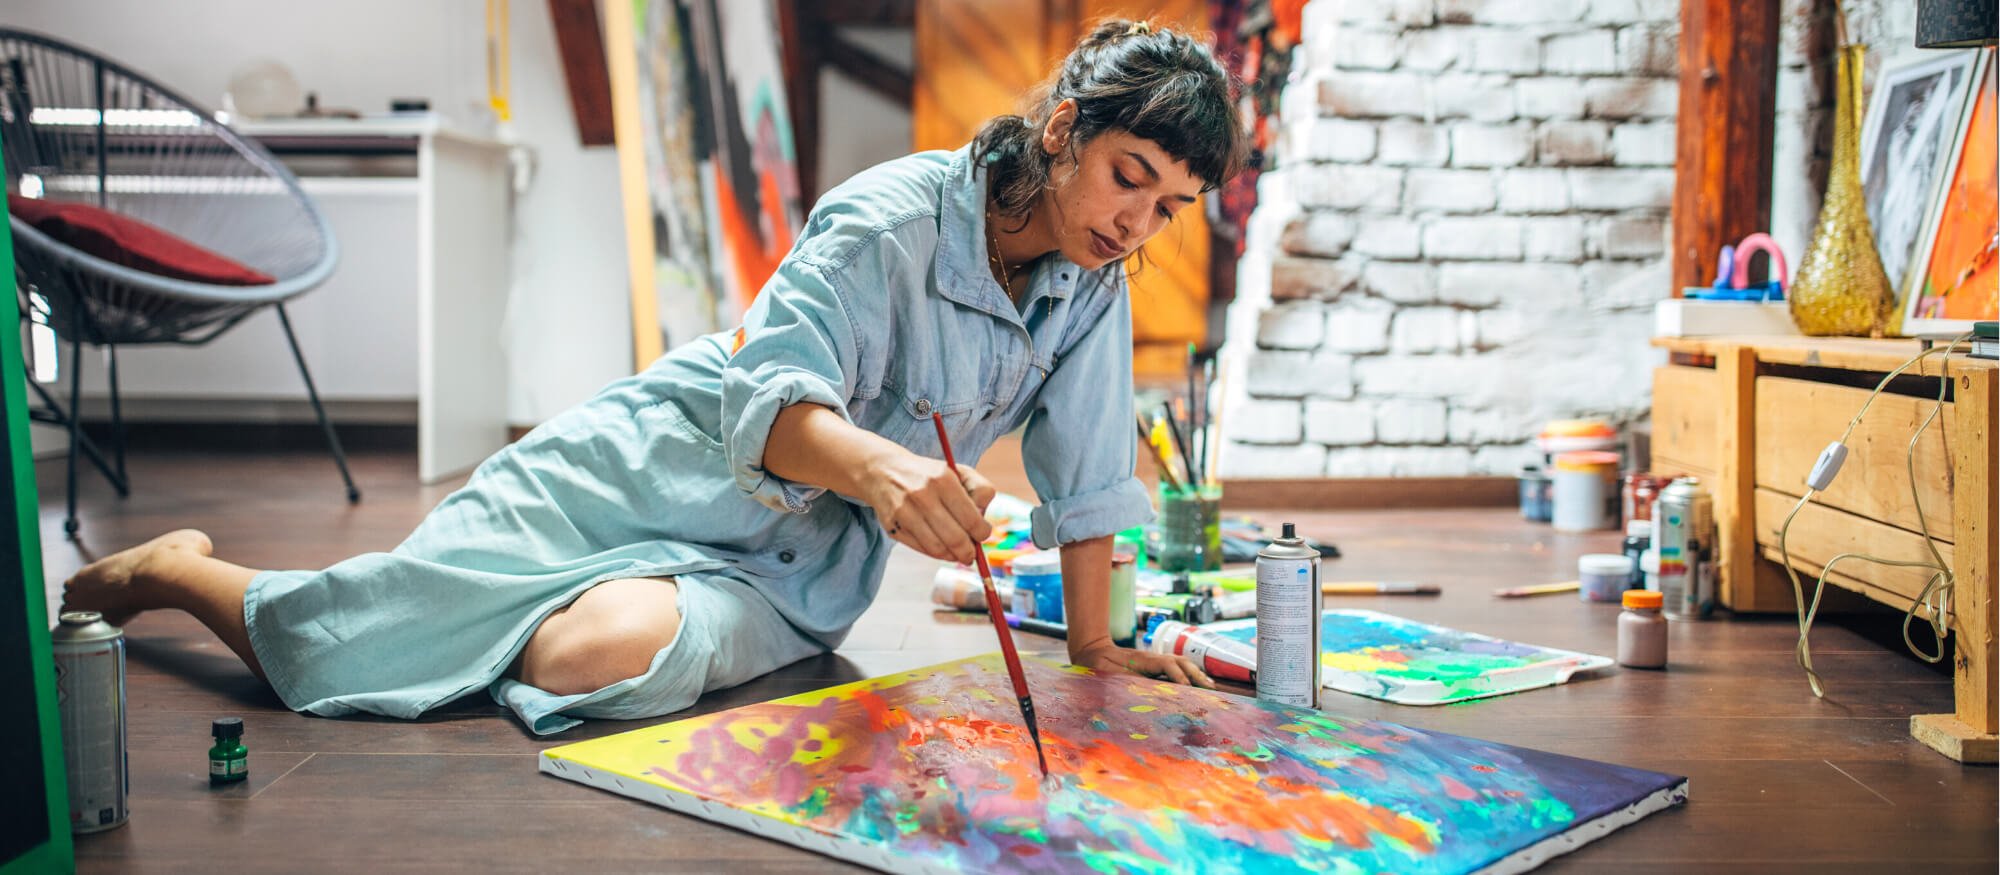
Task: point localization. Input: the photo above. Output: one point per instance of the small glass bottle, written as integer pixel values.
(228, 760)
(1638, 539)
(1642, 631)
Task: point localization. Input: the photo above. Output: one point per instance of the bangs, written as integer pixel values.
(1193, 120)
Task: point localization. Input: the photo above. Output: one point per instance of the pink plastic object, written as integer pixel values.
(1739, 278)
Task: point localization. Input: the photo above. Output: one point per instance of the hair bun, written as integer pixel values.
(1139, 27)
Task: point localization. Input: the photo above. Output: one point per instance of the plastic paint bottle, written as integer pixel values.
(1603, 577)
(1638, 539)
(1038, 586)
(1642, 632)
(228, 760)
(1288, 601)
(1124, 597)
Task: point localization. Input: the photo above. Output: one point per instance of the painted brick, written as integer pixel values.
(1412, 143)
(1574, 142)
(1556, 238)
(1332, 375)
(1358, 324)
(1388, 237)
(1486, 97)
(1342, 141)
(1434, 376)
(1649, 49)
(1496, 50)
(1430, 50)
(1424, 329)
(1548, 97)
(1534, 191)
(1484, 145)
(1588, 52)
(1317, 233)
(1631, 98)
(1484, 285)
(1410, 421)
(1612, 12)
(1448, 191)
(1373, 95)
(1408, 12)
(1492, 425)
(1501, 327)
(1649, 145)
(1509, 11)
(1280, 374)
(1340, 423)
(1293, 278)
(1625, 285)
(1399, 462)
(1293, 325)
(1634, 238)
(1252, 461)
(1402, 282)
(1593, 188)
(1473, 238)
(1266, 422)
(1350, 186)
(1366, 48)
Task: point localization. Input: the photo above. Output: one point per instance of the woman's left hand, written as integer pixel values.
(1111, 658)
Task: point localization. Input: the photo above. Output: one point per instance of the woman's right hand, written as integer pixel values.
(928, 506)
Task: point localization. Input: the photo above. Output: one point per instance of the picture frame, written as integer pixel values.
(1906, 140)
(1956, 274)
(35, 836)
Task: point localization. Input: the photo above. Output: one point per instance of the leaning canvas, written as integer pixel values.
(930, 770)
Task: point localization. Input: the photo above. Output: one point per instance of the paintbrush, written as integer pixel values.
(999, 616)
(1160, 462)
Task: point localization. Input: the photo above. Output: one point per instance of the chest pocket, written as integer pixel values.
(962, 399)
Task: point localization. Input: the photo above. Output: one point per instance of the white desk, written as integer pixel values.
(414, 311)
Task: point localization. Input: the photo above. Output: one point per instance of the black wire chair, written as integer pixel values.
(76, 126)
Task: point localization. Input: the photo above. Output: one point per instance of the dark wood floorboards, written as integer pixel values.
(1780, 782)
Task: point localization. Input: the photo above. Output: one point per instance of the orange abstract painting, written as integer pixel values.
(1961, 278)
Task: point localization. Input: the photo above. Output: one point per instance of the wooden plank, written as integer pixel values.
(622, 60)
(1319, 493)
(1977, 549)
(1728, 88)
(1735, 481)
(1851, 353)
(866, 68)
(1796, 419)
(1821, 533)
(1688, 405)
(1948, 735)
(1843, 591)
(581, 45)
(801, 36)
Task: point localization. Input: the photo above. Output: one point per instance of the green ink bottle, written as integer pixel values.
(228, 760)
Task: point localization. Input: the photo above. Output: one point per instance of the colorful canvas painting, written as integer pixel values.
(931, 771)
(1960, 279)
(1410, 663)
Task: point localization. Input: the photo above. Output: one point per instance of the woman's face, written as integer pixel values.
(1118, 193)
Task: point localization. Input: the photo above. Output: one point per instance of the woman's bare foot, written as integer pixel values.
(122, 585)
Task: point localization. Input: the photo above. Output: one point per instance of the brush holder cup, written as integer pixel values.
(1188, 534)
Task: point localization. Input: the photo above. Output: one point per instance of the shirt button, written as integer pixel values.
(786, 556)
(923, 407)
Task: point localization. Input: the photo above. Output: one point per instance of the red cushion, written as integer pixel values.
(132, 243)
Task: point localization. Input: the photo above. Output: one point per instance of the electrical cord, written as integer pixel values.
(1936, 594)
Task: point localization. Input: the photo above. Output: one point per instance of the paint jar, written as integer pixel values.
(1190, 530)
(1038, 585)
(1537, 497)
(1124, 595)
(1642, 631)
(960, 589)
(1573, 435)
(1638, 539)
(1603, 577)
(228, 760)
(1585, 497)
(1640, 492)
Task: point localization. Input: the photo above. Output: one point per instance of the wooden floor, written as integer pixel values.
(1780, 782)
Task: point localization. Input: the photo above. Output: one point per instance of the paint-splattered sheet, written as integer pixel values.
(1410, 663)
(931, 770)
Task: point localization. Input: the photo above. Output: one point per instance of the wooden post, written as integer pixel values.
(1722, 152)
(1969, 735)
(581, 44)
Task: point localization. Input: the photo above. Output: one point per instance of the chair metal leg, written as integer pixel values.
(70, 524)
(117, 421)
(333, 440)
(55, 415)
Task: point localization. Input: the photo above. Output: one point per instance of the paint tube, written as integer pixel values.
(958, 588)
(1221, 656)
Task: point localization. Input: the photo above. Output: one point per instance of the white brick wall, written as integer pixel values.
(1464, 235)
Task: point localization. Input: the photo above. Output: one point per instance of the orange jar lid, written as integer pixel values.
(1644, 599)
(1586, 460)
(1579, 428)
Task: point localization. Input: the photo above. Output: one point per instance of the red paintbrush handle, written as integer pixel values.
(993, 608)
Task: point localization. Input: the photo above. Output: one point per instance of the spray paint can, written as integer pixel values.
(1288, 601)
(90, 696)
(1684, 537)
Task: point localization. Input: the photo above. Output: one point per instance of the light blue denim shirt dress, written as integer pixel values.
(884, 311)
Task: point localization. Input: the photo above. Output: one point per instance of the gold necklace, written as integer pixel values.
(993, 256)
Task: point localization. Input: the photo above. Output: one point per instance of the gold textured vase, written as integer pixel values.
(1840, 287)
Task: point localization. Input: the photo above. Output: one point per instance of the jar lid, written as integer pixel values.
(1644, 599)
(1604, 563)
(1636, 528)
(1578, 428)
(227, 727)
(1586, 460)
(1043, 562)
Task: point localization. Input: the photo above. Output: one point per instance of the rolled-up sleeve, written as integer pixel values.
(1078, 448)
(799, 345)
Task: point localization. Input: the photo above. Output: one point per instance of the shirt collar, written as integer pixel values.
(962, 267)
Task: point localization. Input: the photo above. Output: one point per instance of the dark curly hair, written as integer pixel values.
(1154, 83)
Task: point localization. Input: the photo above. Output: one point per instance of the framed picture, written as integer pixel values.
(34, 834)
(1957, 265)
(1905, 141)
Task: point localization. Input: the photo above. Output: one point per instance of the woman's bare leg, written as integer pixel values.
(608, 634)
(173, 571)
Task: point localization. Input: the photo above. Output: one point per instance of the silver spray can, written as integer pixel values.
(90, 696)
(1288, 601)
(1684, 523)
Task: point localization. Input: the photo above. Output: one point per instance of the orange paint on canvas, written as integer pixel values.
(1962, 278)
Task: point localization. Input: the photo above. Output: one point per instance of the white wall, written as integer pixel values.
(569, 312)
